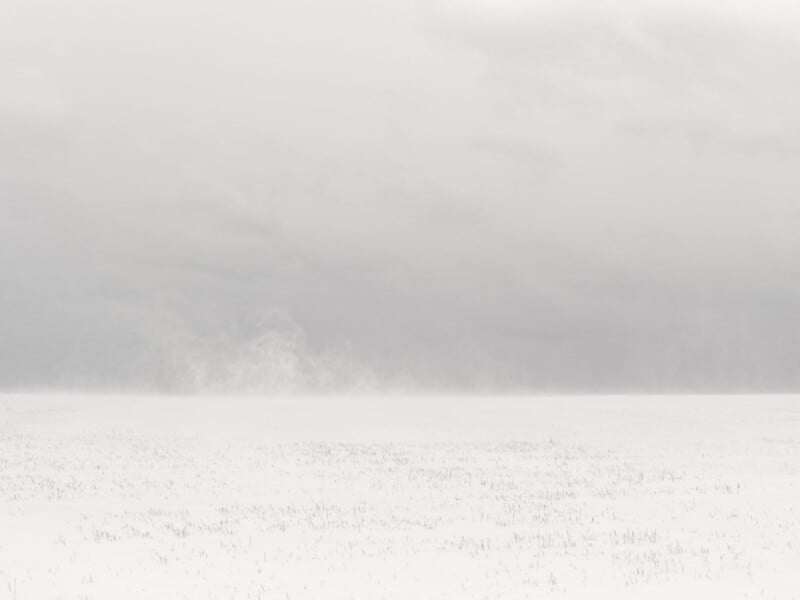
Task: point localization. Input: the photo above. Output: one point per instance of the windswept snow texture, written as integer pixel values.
(563, 497)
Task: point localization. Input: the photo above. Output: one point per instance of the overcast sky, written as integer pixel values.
(471, 195)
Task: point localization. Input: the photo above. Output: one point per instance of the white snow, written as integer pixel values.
(392, 497)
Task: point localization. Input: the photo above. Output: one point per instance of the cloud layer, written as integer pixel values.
(457, 195)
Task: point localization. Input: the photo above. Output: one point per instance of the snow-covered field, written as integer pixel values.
(391, 497)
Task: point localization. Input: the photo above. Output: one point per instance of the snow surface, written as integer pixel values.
(392, 497)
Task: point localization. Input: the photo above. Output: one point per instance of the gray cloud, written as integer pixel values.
(455, 195)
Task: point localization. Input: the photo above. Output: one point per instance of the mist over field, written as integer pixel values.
(440, 196)
(468, 299)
